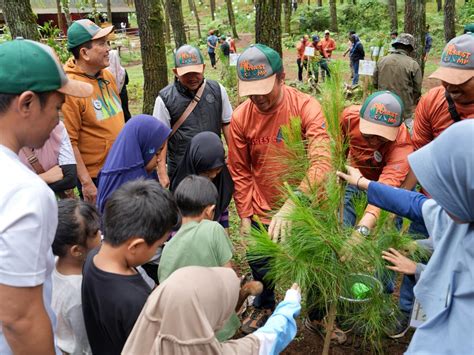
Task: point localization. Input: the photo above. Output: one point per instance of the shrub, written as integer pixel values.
(313, 18)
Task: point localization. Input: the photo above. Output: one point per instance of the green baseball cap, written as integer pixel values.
(381, 115)
(469, 28)
(457, 61)
(188, 59)
(256, 69)
(31, 66)
(82, 31)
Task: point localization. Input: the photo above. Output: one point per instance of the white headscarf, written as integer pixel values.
(116, 69)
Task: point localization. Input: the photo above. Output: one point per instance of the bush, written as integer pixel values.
(367, 15)
(313, 18)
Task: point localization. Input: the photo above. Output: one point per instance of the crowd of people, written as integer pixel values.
(141, 261)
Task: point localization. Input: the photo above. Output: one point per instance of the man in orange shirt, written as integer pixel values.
(452, 101)
(300, 61)
(328, 45)
(255, 131)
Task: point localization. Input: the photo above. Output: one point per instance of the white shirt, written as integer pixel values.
(66, 154)
(161, 112)
(28, 221)
(70, 333)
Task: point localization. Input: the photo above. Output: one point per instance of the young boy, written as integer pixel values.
(200, 241)
(138, 218)
(77, 234)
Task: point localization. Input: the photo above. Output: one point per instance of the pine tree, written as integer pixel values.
(268, 23)
(20, 19)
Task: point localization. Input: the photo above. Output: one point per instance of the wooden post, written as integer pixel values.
(331, 317)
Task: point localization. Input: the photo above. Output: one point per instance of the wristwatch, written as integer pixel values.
(365, 231)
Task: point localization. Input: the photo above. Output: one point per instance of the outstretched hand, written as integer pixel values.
(354, 177)
(280, 224)
(400, 262)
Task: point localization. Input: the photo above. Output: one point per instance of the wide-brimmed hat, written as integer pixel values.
(406, 39)
(457, 61)
(31, 66)
(257, 67)
(381, 115)
(188, 59)
(82, 31)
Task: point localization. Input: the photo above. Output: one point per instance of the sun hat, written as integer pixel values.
(406, 39)
(82, 31)
(381, 115)
(257, 67)
(188, 59)
(31, 66)
(457, 61)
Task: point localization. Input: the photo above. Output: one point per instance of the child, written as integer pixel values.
(182, 315)
(76, 235)
(200, 241)
(137, 219)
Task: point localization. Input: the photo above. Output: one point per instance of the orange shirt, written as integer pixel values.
(328, 45)
(254, 135)
(432, 116)
(300, 47)
(387, 164)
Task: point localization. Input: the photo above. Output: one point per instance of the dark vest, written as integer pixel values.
(206, 116)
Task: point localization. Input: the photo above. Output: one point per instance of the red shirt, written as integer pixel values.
(254, 137)
(432, 116)
(387, 164)
(328, 45)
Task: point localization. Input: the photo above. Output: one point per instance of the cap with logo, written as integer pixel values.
(381, 115)
(82, 31)
(188, 59)
(31, 66)
(257, 67)
(406, 39)
(457, 61)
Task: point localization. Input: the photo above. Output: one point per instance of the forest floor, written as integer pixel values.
(305, 342)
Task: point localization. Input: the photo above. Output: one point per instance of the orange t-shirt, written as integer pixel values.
(254, 135)
(387, 164)
(300, 47)
(328, 45)
(432, 116)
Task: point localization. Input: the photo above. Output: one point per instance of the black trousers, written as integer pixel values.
(212, 56)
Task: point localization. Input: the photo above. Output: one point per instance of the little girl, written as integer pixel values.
(77, 234)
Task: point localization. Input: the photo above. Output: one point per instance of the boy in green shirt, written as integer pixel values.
(200, 241)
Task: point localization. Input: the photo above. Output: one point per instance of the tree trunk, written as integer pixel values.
(342, 1)
(287, 15)
(392, 10)
(20, 19)
(109, 11)
(354, 2)
(415, 24)
(167, 22)
(213, 9)
(320, 3)
(60, 15)
(155, 70)
(175, 13)
(192, 7)
(67, 12)
(439, 4)
(333, 13)
(268, 23)
(230, 13)
(449, 15)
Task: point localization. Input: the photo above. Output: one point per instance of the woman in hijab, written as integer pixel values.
(205, 156)
(445, 290)
(133, 155)
(121, 79)
(183, 314)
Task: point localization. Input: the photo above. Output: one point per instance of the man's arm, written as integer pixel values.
(89, 190)
(422, 130)
(25, 322)
(226, 114)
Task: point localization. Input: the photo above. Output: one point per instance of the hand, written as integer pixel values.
(400, 263)
(245, 225)
(52, 175)
(293, 293)
(164, 180)
(89, 191)
(354, 177)
(280, 225)
(346, 250)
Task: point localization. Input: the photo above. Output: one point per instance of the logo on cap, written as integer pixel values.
(252, 72)
(454, 55)
(380, 113)
(186, 58)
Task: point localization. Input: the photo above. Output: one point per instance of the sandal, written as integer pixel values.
(337, 336)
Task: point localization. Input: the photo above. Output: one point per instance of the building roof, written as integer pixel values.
(76, 6)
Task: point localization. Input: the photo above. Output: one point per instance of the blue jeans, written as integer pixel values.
(355, 66)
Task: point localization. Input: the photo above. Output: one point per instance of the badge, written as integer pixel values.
(378, 156)
(210, 98)
(97, 104)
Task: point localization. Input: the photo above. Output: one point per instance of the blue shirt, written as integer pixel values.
(212, 39)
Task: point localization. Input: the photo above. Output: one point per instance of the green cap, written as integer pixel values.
(256, 68)
(82, 31)
(381, 115)
(469, 28)
(31, 66)
(188, 59)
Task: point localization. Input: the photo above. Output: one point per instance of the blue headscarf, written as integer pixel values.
(139, 140)
(445, 169)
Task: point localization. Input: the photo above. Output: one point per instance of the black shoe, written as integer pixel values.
(401, 326)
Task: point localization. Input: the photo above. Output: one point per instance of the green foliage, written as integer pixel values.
(466, 13)
(313, 18)
(228, 76)
(50, 35)
(370, 15)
